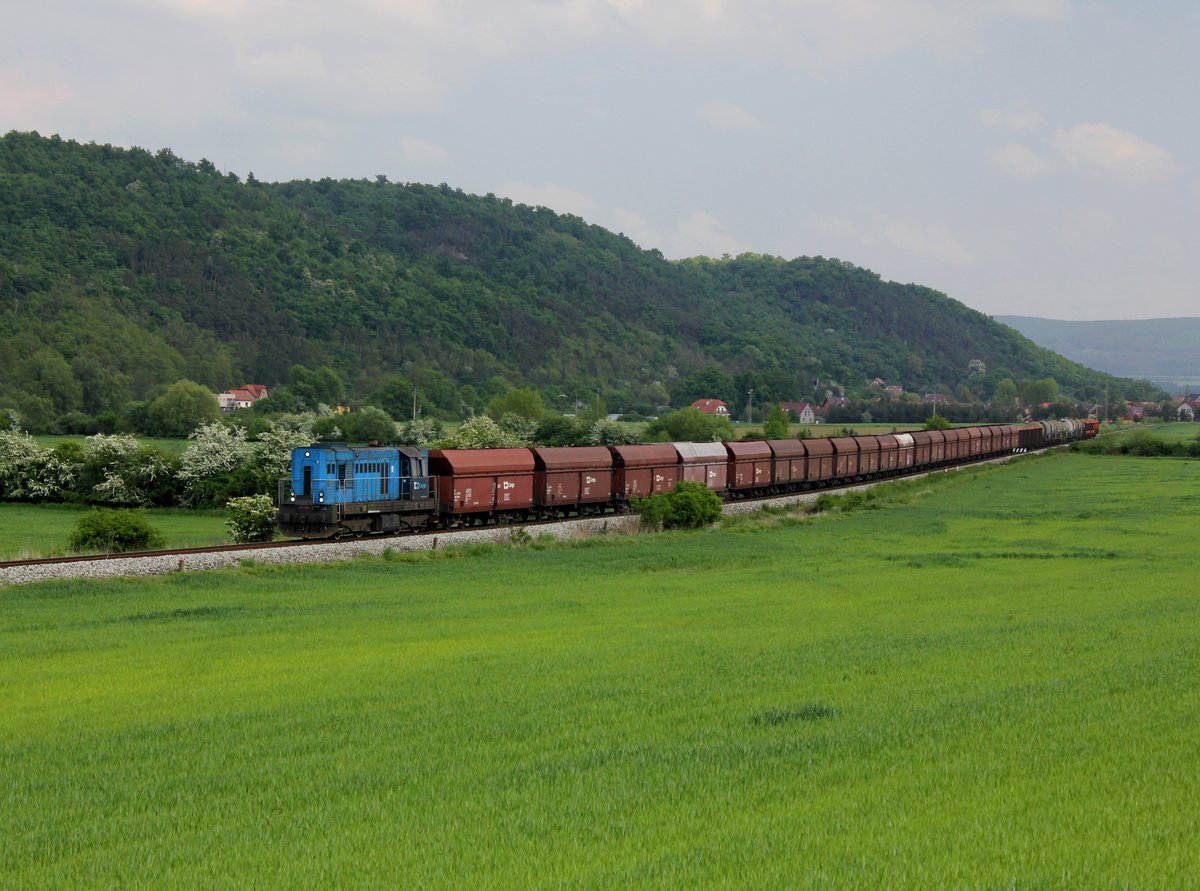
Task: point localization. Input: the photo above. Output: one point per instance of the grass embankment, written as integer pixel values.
(41, 530)
(990, 683)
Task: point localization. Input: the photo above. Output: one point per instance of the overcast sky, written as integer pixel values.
(1029, 157)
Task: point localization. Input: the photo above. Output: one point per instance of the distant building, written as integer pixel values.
(241, 397)
(712, 407)
(801, 411)
(893, 392)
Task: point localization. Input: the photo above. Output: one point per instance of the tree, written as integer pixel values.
(251, 518)
(185, 406)
(776, 426)
(114, 531)
(523, 401)
(370, 424)
(481, 432)
(689, 505)
(691, 425)
(1005, 393)
(322, 386)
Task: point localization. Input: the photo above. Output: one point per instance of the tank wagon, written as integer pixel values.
(337, 490)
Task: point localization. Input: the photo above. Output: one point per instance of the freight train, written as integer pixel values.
(336, 490)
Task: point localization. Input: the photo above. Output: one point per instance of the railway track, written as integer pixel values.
(325, 550)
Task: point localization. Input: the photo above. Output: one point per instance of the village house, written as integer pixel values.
(712, 407)
(802, 412)
(241, 397)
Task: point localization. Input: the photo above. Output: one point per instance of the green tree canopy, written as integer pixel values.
(524, 402)
(181, 409)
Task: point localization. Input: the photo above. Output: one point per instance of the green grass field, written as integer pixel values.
(42, 530)
(988, 683)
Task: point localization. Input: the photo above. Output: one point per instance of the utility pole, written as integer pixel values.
(750, 406)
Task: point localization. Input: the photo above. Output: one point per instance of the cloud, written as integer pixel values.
(1103, 149)
(1013, 118)
(1019, 161)
(557, 198)
(700, 234)
(417, 151)
(1033, 9)
(928, 241)
(1088, 229)
(637, 228)
(727, 116)
(25, 101)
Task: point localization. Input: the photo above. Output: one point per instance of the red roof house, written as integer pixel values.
(712, 407)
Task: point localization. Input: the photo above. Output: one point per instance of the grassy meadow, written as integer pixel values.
(42, 530)
(990, 682)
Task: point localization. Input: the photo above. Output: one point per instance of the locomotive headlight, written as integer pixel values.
(293, 496)
(307, 454)
(321, 497)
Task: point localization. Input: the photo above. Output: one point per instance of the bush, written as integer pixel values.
(251, 518)
(114, 531)
(688, 506)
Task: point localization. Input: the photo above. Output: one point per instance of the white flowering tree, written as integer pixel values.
(606, 432)
(18, 451)
(481, 432)
(273, 451)
(127, 470)
(214, 458)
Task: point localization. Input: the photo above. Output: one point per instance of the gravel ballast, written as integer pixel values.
(112, 567)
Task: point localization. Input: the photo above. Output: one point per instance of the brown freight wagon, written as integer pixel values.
(845, 457)
(976, 442)
(869, 456)
(706, 463)
(475, 484)
(575, 478)
(821, 459)
(956, 445)
(750, 464)
(1011, 433)
(787, 463)
(1031, 436)
(922, 448)
(889, 453)
(906, 453)
(641, 470)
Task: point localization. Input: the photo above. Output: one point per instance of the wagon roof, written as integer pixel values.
(887, 442)
(461, 462)
(786, 448)
(644, 455)
(701, 452)
(845, 444)
(573, 458)
(753, 448)
(817, 447)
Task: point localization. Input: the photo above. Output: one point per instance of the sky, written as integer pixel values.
(1027, 157)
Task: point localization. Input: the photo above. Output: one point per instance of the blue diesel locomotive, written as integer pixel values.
(337, 490)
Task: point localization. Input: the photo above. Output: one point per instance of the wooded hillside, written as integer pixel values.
(124, 270)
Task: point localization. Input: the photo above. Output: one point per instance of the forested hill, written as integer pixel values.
(1164, 351)
(123, 270)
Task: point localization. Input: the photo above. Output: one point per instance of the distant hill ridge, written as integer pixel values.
(123, 270)
(1165, 351)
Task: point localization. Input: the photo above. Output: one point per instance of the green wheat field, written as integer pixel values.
(990, 681)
